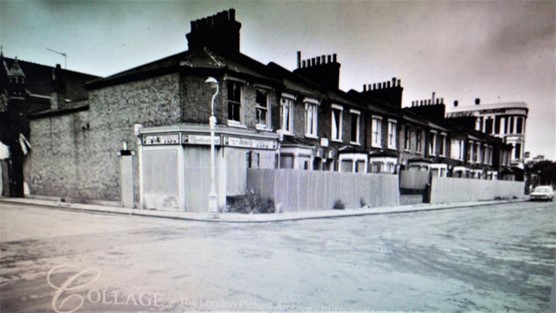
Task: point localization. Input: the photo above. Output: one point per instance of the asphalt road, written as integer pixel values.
(492, 258)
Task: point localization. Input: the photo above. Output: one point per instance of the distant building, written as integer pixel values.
(28, 90)
(505, 120)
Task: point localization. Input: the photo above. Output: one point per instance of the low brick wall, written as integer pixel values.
(449, 189)
(295, 190)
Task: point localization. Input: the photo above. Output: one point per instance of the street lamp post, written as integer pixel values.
(212, 196)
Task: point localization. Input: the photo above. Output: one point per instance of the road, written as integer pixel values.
(491, 258)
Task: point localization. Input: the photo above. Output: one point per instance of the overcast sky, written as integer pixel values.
(494, 50)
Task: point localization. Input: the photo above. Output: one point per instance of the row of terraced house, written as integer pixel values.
(141, 137)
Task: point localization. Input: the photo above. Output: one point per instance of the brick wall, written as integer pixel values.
(71, 161)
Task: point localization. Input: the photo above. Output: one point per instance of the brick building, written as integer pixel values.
(141, 137)
(29, 91)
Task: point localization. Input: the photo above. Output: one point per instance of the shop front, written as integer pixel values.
(174, 164)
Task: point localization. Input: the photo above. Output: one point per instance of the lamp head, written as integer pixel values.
(212, 82)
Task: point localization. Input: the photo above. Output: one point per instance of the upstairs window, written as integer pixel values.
(311, 118)
(355, 122)
(407, 138)
(261, 109)
(376, 129)
(489, 126)
(336, 125)
(432, 143)
(443, 144)
(286, 114)
(419, 141)
(234, 101)
(392, 134)
(519, 125)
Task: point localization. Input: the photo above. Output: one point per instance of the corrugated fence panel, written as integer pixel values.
(414, 179)
(296, 190)
(449, 189)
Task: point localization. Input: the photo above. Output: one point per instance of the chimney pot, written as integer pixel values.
(477, 101)
(329, 58)
(323, 59)
(364, 87)
(455, 103)
(232, 14)
(334, 57)
(298, 59)
(393, 81)
(374, 86)
(399, 82)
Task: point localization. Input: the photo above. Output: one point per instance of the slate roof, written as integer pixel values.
(39, 77)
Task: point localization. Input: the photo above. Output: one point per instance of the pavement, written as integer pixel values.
(255, 218)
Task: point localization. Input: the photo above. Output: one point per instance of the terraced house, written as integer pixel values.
(142, 138)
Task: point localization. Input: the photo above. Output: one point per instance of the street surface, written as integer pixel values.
(491, 258)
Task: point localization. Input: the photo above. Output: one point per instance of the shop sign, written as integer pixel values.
(166, 139)
(249, 143)
(199, 139)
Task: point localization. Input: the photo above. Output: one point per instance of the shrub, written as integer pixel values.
(251, 202)
(339, 205)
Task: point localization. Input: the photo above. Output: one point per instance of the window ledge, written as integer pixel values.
(336, 140)
(393, 147)
(235, 124)
(354, 143)
(376, 146)
(311, 136)
(263, 127)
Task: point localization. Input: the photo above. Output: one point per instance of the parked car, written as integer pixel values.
(542, 193)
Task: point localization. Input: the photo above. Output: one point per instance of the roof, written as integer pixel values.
(39, 77)
(199, 60)
(485, 107)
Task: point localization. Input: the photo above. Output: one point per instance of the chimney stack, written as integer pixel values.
(219, 33)
(58, 94)
(298, 59)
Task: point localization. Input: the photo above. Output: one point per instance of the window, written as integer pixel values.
(497, 125)
(286, 114)
(407, 138)
(443, 144)
(519, 126)
(470, 148)
(336, 131)
(311, 114)
(392, 134)
(262, 108)
(355, 116)
(234, 101)
(376, 132)
(488, 126)
(432, 143)
(512, 124)
(419, 140)
(517, 151)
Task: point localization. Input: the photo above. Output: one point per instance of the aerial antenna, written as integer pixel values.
(62, 54)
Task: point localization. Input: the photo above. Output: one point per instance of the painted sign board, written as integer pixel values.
(250, 143)
(161, 139)
(199, 139)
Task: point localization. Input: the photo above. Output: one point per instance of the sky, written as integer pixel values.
(498, 51)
